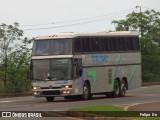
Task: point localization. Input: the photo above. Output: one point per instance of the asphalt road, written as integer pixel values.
(149, 94)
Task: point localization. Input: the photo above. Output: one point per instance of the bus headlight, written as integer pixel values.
(35, 87)
(66, 91)
(66, 86)
(36, 93)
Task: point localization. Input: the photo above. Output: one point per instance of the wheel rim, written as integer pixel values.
(85, 91)
(116, 89)
(123, 88)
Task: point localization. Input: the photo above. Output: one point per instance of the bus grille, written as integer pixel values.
(50, 88)
(51, 92)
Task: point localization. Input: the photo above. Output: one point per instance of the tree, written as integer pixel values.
(14, 58)
(19, 61)
(8, 35)
(147, 23)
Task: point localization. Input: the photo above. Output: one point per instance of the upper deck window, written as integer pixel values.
(93, 44)
(52, 47)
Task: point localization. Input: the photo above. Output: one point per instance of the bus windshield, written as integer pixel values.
(52, 69)
(52, 47)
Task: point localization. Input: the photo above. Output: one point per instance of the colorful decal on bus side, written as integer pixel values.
(99, 58)
(92, 74)
(82, 78)
(83, 70)
(132, 75)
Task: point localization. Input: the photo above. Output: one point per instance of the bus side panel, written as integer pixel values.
(102, 70)
(98, 79)
(77, 86)
(102, 78)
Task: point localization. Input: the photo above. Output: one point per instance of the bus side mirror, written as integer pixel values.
(74, 71)
(77, 72)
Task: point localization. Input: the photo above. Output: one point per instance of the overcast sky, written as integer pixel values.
(68, 15)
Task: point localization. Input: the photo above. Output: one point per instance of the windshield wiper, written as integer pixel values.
(60, 78)
(53, 79)
(41, 79)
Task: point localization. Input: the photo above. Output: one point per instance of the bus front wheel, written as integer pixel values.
(50, 99)
(86, 92)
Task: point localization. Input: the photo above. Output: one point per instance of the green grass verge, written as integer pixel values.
(105, 110)
(98, 108)
(112, 111)
(147, 118)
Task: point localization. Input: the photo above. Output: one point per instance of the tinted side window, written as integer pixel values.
(106, 44)
(77, 45)
(86, 45)
(129, 43)
(136, 43)
(103, 44)
(95, 44)
(121, 43)
(112, 44)
(83, 45)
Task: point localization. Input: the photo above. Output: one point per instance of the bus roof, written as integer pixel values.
(72, 34)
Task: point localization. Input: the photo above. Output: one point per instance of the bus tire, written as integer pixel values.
(86, 92)
(50, 99)
(123, 88)
(116, 91)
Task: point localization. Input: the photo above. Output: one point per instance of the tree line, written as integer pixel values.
(15, 50)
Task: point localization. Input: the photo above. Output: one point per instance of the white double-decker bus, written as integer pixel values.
(84, 64)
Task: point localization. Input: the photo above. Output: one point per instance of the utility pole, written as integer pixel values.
(141, 26)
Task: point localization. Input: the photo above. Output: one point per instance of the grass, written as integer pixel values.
(98, 108)
(148, 118)
(105, 110)
(112, 111)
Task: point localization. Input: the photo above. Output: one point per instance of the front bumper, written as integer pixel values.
(52, 92)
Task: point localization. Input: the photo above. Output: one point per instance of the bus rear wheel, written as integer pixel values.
(123, 88)
(50, 99)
